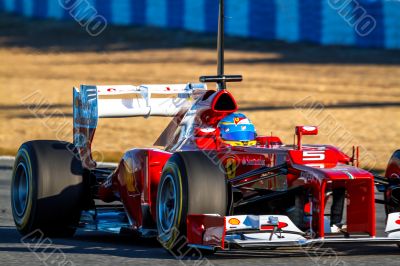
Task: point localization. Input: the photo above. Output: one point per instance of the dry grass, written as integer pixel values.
(40, 62)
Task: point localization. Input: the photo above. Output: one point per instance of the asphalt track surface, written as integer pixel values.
(99, 248)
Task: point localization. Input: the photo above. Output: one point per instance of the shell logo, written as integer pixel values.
(234, 221)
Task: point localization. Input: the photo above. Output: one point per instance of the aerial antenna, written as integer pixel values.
(221, 79)
(221, 38)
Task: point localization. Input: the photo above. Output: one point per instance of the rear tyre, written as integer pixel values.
(47, 188)
(190, 184)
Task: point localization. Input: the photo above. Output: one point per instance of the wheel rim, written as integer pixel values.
(20, 190)
(167, 204)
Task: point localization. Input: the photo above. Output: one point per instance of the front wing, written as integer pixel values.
(215, 232)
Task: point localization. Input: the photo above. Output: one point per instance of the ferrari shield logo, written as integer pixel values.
(230, 167)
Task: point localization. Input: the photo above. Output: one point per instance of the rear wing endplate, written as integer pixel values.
(93, 102)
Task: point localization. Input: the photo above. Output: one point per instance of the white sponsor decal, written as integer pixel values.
(313, 155)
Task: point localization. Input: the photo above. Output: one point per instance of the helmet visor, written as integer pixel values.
(239, 136)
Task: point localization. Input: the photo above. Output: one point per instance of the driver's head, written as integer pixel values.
(237, 130)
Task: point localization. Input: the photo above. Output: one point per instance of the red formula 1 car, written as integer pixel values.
(199, 191)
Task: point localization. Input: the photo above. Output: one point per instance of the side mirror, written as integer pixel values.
(304, 131)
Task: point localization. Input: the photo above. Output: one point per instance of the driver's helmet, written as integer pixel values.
(237, 130)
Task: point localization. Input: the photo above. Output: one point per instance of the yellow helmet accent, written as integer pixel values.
(241, 143)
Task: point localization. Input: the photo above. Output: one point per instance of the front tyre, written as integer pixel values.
(392, 192)
(190, 184)
(47, 188)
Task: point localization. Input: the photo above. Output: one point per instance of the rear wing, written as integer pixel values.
(93, 102)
